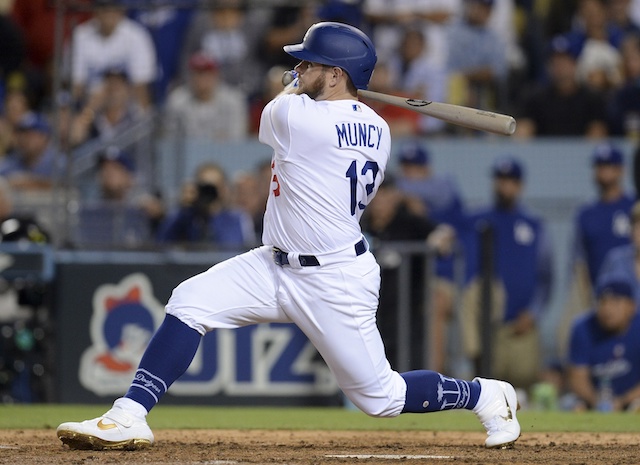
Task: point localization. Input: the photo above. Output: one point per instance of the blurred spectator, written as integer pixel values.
(342, 11)
(591, 23)
(205, 217)
(416, 76)
(388, 17)
(206, 107)
(477, 58)
(118, 212)
(624, 260)
(634, 11)
(522, 280)
(596, 41)
(15, 107)
(111, 40)
(619, 15)
(503, 23)
(112, 110)
(624, 104)
(563, 106)
(559, 17)
(605, 349)
(286, 26)
(437, 195)
(12, 48)
(250, 194)
(271, 87)
(599, 67)
(600, 225)
(37, 20)
(402, 121)
(167, 26)
(387, 219)
(230, 35)
(34, 164)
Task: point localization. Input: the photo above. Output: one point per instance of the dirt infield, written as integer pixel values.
(222, 447)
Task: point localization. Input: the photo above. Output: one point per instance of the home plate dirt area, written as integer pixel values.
(234, 447)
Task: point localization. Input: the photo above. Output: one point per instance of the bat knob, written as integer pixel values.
(288, 77)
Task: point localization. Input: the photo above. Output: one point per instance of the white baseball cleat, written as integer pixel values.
(496, 410)
(115, 430)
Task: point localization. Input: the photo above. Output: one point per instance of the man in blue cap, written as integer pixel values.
(522, 278)
(34, 163)
(600, 225)
(604, 356)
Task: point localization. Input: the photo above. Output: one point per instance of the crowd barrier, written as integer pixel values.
(106, 305)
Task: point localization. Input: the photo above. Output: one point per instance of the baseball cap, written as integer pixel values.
(617, 285)
(507, 167)
(607, 154)
(562, 45)
(34, 122)
(113, 153)
(201, 61)
(413, 154)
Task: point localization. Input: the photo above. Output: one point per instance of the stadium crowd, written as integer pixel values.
(205, 69)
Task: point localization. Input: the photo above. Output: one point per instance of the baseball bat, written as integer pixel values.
(472, 118)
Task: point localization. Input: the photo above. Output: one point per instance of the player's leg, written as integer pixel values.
(221, 297)
(336, 310)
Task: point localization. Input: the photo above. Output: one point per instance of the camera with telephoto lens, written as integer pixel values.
(206, 195)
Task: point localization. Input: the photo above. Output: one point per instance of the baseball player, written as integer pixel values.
(600, 226)
(330, 152)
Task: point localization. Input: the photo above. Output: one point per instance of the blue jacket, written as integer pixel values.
(616, 357)
(599, 227)
(522, 258)
(228, 228)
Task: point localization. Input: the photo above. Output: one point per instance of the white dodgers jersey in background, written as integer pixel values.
(329, 159)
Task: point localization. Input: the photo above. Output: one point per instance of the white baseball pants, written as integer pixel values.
(334, 305)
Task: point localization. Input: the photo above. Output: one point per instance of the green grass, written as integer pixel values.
(163, 417)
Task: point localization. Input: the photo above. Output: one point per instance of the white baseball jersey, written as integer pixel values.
(329, 159)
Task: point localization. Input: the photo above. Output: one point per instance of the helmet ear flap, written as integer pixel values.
(341, 45)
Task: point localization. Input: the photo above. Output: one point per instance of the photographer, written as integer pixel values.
(205, 217)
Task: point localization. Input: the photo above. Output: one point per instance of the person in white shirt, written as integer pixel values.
(206, 107)
(111, 40)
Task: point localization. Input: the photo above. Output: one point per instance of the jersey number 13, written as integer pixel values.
(352, 174)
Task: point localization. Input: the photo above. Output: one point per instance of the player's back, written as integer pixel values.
(329, 159)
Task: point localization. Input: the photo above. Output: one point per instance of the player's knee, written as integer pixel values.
(382, 413)
(379, 410)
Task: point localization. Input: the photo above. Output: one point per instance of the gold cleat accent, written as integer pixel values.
(79, 441)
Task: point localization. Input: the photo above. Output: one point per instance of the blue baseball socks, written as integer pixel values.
(167, 357)
(429, 391)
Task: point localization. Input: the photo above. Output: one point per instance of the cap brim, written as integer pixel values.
(298, 51)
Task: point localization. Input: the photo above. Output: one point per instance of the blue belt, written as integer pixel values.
(280, 256)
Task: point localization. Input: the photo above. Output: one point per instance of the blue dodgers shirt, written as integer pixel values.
(600, 227)
(614, 356)
(522, 258)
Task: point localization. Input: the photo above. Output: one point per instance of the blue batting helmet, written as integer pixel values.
(337, 44)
